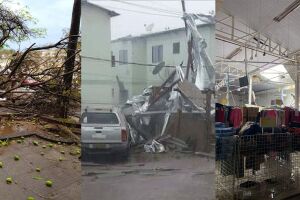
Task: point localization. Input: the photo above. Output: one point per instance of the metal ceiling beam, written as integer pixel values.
(226, 39)
(273, 47)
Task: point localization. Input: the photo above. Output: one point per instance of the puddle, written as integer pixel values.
(7, 130)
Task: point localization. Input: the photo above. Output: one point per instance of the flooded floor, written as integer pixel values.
(54, 162)
(146, 176)
(11, 129)
(8, 127)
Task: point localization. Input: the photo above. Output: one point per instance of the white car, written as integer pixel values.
(104, 131)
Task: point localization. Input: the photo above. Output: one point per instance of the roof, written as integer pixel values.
(130, 37)
(257, 16)
(110, 12)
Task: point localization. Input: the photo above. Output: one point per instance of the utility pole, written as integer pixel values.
(70, 58)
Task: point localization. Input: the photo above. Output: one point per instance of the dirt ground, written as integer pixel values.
(55, 163)
(146, 176)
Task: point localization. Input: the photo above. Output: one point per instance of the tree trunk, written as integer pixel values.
(70, 59)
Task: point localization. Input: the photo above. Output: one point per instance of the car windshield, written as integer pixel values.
(99, 118)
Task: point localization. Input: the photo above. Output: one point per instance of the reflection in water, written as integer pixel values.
(10, 129)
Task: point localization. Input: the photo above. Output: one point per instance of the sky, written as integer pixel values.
(53, 15)
(135, 16)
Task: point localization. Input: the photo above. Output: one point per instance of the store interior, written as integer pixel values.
(257, 94)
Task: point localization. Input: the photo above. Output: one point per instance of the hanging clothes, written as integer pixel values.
(236, 117)
(220, 113)
(288, 115)
(294, 118)
(272, 118)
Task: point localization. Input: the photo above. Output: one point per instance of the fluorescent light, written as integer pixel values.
(234, 53)
(287, 11)
(274, 73)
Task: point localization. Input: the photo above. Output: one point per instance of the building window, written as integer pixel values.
(123, 57)
(113, 60)
(157, 54)
(176, 47)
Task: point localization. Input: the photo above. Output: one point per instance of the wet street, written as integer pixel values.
(146, 176)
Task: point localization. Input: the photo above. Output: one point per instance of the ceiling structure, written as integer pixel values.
(247, 29)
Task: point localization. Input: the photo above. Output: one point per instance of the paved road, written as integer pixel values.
(169, 176)
(27, 181)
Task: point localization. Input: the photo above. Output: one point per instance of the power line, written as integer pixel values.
(150, 7)
(132, 63)
(142, 12)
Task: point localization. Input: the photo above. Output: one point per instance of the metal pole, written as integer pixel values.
(227, 86)
(189, 63)
(250, 78)
(297, 87)
(250, 90)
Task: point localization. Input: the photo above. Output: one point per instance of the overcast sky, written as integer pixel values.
(135, 15)
(53, 15)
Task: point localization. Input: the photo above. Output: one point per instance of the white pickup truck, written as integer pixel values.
(104, 131)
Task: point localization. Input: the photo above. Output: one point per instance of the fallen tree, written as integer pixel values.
(32, 79)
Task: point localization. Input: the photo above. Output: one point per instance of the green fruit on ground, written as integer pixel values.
(1, 165)
(16, 157)
(9, 180)
(30, 198)
(49, 183)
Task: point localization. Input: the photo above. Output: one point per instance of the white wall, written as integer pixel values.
(98, 82)
(234, 99)
(123, 71)
(139, 73)
(167, 40)
(140, 50)
(264, 98)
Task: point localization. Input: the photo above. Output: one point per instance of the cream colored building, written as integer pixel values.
(98, 85)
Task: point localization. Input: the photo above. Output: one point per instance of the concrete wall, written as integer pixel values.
(139, 73)
(98, 81)
(166, 40)
(140, 50)
(123, 71)
(234, 99)
(264, 98)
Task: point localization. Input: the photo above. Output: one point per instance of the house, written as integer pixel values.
(169, 46)
(98, 86)
(107, 77)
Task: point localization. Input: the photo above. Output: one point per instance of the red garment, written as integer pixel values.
(295, 118)
(295, 131)
(236, 117)
(272, 113)
(220, 115)
(288, 113)
(269, 113)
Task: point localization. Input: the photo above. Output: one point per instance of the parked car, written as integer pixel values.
(104, 131)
